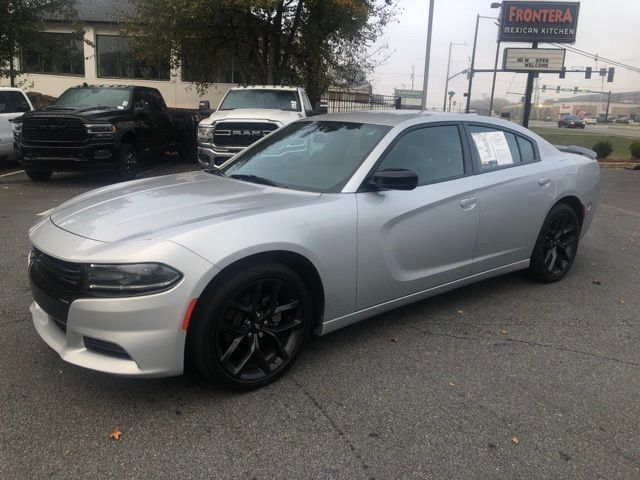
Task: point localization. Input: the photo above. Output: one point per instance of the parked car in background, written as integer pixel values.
(324, 223)
(570, 121)
(245, 115)
(621, 119)
(13, 103)
(590, 120)
(105, 127)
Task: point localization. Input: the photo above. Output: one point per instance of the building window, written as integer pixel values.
(117, 58)
(56, 53)
(202, 65)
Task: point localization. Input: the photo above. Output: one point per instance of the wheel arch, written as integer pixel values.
(130, 139)
(575, 204)
(296, 261)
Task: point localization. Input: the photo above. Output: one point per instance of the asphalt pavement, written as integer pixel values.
(503, 379)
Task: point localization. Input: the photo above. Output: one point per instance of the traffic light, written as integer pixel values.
(563, 72)
(557, 89)
(587, 72)
(544, 88)
(610, 74)
(575, 90)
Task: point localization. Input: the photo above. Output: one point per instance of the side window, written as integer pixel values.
(13, 102)
(434, 153)
(526, 150)
(156, 100)
(495, 147)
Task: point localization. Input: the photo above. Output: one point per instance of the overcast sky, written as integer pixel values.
(610, 28)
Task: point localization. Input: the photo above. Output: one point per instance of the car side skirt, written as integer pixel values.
(337, 323)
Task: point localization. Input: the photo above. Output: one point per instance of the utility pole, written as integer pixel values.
(473, 61)
(427, 56)
(413, 76)
(606, 115)
(495, 64)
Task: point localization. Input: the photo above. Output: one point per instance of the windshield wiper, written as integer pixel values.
(255, 179)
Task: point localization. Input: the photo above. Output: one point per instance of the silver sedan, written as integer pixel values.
(319, 225)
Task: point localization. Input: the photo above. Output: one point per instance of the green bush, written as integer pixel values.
(603, 149)
(634, 148)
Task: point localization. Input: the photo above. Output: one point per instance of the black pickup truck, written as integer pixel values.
(106, 127)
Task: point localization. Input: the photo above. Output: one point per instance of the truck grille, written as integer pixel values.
(42, 130)
(241, 134)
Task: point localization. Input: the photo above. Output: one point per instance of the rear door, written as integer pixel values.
(410, 241)
(13, 103)
(518, 191)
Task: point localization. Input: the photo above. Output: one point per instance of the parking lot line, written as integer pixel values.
(11, 173)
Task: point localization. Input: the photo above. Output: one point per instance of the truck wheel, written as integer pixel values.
(38, 175)
(127, 162)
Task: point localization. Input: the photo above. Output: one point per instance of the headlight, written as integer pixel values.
(129, 279)
(16, 127)
(205, 134)
(101, 129)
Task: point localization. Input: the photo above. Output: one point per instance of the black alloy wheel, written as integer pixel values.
(127, 162)
(250, 330)
(557, 244)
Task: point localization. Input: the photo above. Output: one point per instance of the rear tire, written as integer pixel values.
(556, 246)
(127, 162)
(39, 175)
(188, 152)
(249, 329)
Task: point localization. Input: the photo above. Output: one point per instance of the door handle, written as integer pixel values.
(468, 203)
(544, 182)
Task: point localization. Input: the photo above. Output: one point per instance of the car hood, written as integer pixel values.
(282, 116)
(149, 208)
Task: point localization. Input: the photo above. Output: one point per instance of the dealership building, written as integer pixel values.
(61, 60)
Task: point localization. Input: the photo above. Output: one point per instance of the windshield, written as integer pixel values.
(572, 118)
(265, 99)
(94, 97)
(316, 156)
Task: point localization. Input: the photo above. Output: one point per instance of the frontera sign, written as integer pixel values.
(539, 22)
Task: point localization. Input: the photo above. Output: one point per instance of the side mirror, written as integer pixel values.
(204, 105)
(395, 179)
(322, 108)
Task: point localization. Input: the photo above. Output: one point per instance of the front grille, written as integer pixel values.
(42, 130)
(57, 278)
(240, 134)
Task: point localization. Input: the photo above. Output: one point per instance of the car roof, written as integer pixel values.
(266, 87)
(10, 89)
(393, 118)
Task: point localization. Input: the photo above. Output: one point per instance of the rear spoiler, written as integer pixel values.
(577, 150)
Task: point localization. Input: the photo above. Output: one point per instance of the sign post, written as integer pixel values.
(537, 22)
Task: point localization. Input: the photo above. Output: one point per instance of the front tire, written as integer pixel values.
(127, 162)
(39, 175)
(556, 246)
(250, 328)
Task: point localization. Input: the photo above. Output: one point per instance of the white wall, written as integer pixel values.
(175, 92)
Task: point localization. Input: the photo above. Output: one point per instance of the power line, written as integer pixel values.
(596, 57)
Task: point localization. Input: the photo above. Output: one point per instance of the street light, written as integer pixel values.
(425, 82)
(446, 85)
(495, 64)
(473, 59)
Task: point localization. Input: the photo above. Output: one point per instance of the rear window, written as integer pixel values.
(13, 102)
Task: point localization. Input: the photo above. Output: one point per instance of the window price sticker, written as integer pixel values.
(492, 148)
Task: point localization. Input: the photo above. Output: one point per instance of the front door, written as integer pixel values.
(410, 241)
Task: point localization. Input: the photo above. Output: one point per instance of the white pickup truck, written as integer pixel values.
(245, 115)
(13, 103)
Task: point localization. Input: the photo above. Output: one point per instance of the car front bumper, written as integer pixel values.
(139, 336)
